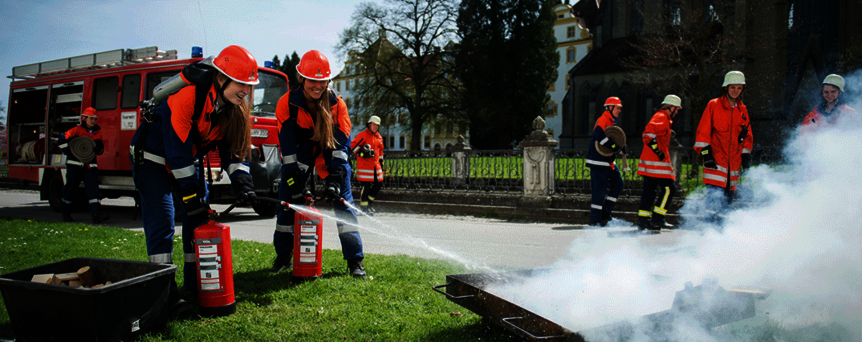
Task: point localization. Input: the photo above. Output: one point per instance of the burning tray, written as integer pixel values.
(707, 305)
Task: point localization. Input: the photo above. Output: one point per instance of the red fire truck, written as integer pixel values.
(46, 100)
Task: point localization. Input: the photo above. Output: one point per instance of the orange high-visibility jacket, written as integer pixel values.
(369, 169)
(719, 128)
(659, 129)
(816, 118)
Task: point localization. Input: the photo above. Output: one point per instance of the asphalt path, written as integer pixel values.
(479, 243)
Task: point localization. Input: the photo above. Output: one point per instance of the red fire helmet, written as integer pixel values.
(315, 66)
(238, 64)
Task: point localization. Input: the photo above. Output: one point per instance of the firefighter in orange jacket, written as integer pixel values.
(208, 114)
(76, 170)
(314, 131)
(656, 168)
(832, 108)
(604, 173)
(724, 139)
(368, 148)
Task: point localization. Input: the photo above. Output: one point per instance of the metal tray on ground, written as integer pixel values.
(707, 304)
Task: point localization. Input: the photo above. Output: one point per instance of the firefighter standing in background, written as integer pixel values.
(210, 113)
(603, 171)
(656, 168)
(724, 139)
(314, 131)
(832, 108)
(76, 171)
(368, 147)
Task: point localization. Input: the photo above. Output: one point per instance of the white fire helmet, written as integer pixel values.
(374, 119)
(733, 77)
(672, 100)
(835, 80)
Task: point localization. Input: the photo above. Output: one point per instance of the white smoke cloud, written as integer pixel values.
(796, 231)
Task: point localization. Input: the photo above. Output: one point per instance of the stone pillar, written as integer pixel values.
(539, 161)
(460, 162)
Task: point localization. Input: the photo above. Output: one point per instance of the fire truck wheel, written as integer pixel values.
(265, 209)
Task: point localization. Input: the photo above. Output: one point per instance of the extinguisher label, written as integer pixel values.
(207, 249)
(312, 260)
(210, 285)
(307, 229)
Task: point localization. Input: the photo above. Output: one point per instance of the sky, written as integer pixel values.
(33, 31)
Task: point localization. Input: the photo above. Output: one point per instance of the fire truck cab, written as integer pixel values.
(46, 99)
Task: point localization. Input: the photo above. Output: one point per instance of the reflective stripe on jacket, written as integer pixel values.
(369, 169)
(719, 128)
(294, 134)
(659, 129)
(594, 159)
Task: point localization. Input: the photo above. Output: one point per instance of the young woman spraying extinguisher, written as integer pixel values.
(210, 113)
(314, 131)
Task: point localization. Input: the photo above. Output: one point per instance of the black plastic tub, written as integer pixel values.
(133, 304)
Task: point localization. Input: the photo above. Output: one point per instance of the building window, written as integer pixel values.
(427, 144)
(401, 143)
(347, 103)
(567, 82)
(392, 142)
(571, 54)
(338, 86)
(347, 85)
(551, 110)
(571, 32)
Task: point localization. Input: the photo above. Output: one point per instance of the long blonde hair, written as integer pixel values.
(323, 134)
(235, 126)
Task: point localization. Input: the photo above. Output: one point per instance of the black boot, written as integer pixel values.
(281, 263)
(67, 217)
(606, 217)
(658, 223)
(643, 223)
(101, 217)
(356, 269)
(370, 209)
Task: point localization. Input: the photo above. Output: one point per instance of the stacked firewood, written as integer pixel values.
(82, 278)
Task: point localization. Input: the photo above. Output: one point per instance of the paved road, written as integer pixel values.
(476, 242)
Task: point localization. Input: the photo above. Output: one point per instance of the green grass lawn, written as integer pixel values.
(395, 303)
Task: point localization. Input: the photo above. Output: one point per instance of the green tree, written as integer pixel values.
(402, 48)
(506, 61)
(288, 68)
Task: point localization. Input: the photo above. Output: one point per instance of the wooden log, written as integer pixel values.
(75, 283)
(86, 276)
(56, 280)
(67, 277)
(43, 278)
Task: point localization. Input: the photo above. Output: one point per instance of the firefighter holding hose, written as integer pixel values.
(314, 132)
(656, 167)
(724, 141)
(209, 113)
(86, 170)
(368, 148)
(606, 181)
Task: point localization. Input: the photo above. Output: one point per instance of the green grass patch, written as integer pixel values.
(395, 303)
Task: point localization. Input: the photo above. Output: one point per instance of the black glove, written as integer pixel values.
(295, 181)
(366, 152)
(743, 133)
(243, 187)
(625, 149)
(100, 148)
(708, 158)
(653, 145)
(746, 161)
(332, 188)
(194, 204)
(381, 162)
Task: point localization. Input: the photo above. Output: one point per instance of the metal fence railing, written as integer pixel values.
(502, 171)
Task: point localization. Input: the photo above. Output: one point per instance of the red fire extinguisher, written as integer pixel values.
(307, 245)
(215, 270)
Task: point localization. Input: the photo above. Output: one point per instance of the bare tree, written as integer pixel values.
(407, 68)
(686, 47)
